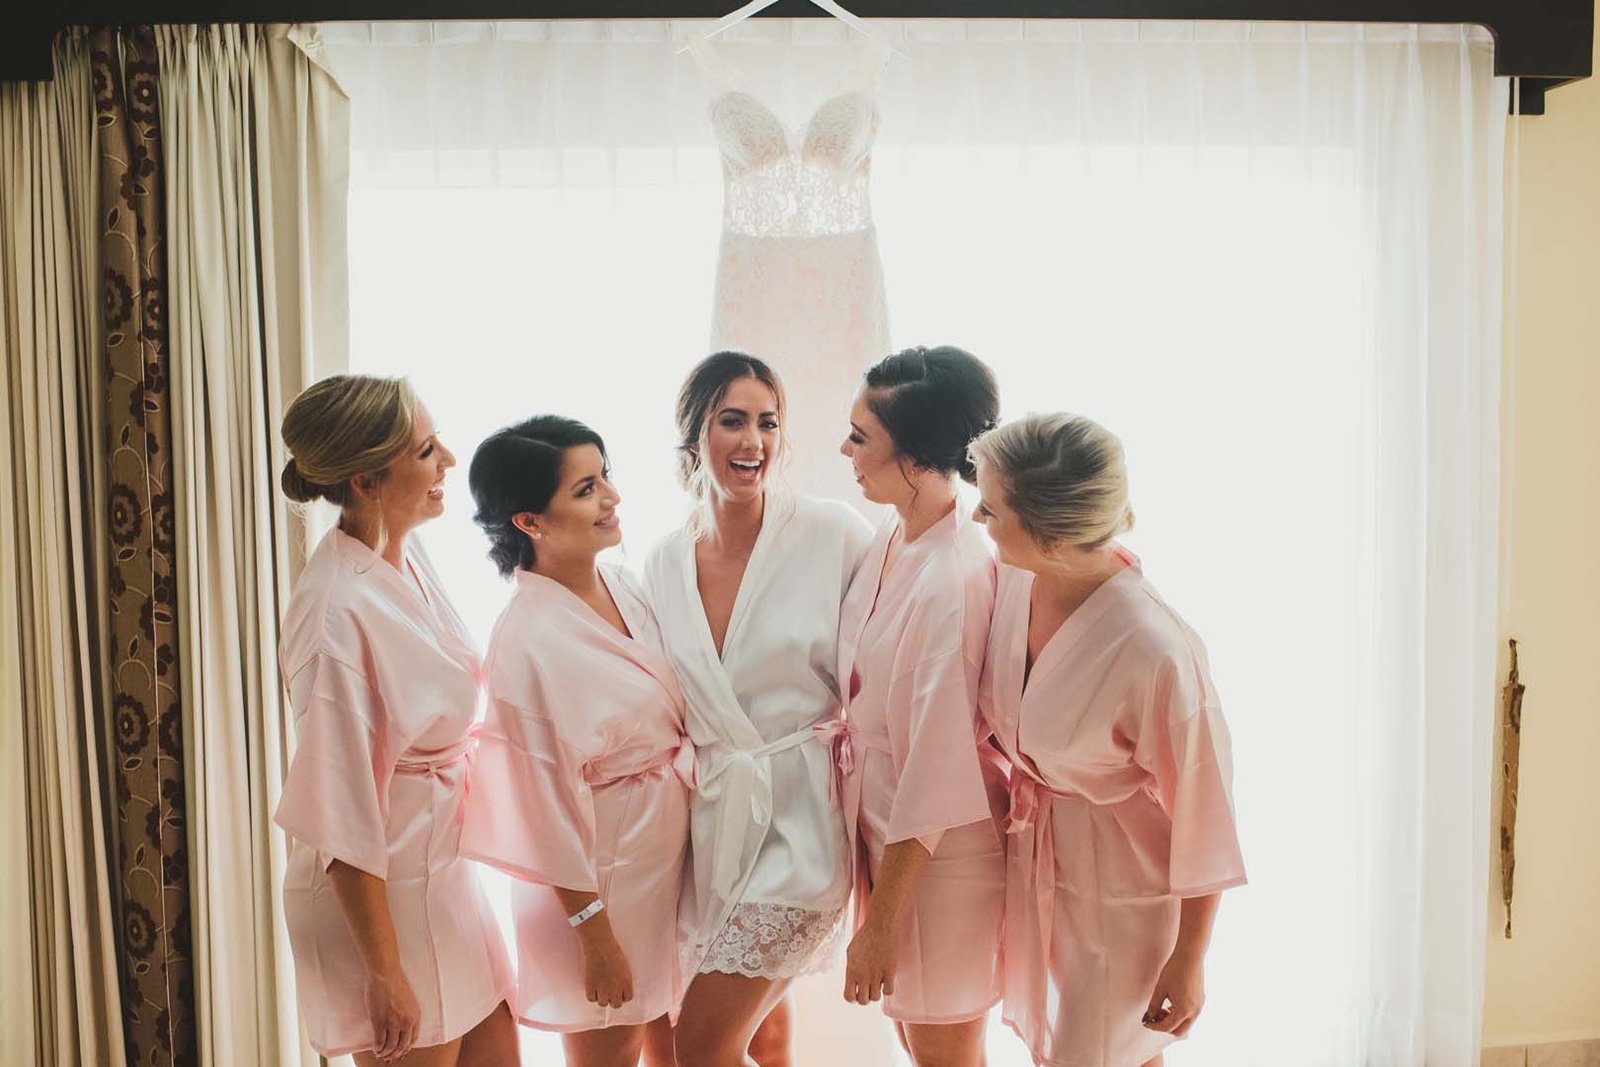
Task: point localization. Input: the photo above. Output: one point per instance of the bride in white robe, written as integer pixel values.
(748, 597)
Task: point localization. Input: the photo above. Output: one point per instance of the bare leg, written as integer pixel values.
(946, 1044)
(771, 1046)
(1157, 1062)
(493, 1042)
(615, 1046)
(720, 1016)
(433, 1056)
(658, 1044)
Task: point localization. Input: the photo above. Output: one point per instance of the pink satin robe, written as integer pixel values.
(383, 680)
(911, 644)
(1120, 807)
(582, 781)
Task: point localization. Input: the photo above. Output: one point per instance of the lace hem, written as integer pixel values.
(775, 941)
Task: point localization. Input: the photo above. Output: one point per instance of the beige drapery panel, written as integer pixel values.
(255, 145)
(59, 994)
(253, 137)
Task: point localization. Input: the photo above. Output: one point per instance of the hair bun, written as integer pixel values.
(296, 486)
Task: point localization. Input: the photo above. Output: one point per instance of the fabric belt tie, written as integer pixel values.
(679, 761)
(430, 764)
(742, 782)
(1030, 824)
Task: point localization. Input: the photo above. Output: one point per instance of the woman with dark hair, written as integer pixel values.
(398, 957)
(922, 800)
(580, 786)
(748, 595)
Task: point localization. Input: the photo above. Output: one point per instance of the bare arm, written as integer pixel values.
(364, 900)
(871, 959)
(607, 976)
(1180, 990)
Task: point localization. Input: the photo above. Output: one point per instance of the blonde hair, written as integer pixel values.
(343, 427)
(1065, 478)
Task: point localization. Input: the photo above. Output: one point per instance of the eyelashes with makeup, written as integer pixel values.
(605, 476)
(734, 423)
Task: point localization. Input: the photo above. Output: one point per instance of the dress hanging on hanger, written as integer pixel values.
(799, 280)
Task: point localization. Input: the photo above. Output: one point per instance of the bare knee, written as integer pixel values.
(953, 1045)
(770, 1045)
(704, 1040)
(492, 1043)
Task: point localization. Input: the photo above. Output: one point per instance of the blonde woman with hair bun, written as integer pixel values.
(398, 958)
(1121, 832)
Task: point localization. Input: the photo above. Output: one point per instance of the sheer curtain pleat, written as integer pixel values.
(59, 991)
(1266, 254)
(255, 143)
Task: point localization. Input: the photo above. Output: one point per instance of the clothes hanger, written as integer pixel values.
(832, 7)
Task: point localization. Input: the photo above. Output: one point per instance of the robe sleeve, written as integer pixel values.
(856, 539)
(1184, 745)
(336, 795)
(939, 782)
(529, 808)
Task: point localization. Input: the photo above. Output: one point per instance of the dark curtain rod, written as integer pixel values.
(1545, 42)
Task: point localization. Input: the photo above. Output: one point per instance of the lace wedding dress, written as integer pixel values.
(799, 281)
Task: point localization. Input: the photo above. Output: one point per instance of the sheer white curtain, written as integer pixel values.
(1265, 254)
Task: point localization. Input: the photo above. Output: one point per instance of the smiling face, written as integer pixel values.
(741, 441)
(411, 490)
(1013, 544)
(875, 460)
(581, 520)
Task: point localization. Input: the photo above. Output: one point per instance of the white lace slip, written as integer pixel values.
(775, 941)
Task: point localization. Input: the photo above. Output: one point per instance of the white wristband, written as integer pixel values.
(594, 908)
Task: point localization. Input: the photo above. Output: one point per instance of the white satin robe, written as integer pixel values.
(582, 781)
(771, 870)
(383, 679)
(1121, 806)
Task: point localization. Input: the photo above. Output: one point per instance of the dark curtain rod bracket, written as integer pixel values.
(1545, 42)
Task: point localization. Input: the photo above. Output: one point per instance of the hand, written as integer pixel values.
(869, 963)
(1179, 995)
(395, 1015)
(607, 978)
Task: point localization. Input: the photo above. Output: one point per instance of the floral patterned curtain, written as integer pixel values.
(152, 851)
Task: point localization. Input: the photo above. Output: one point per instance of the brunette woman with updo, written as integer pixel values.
(927, 789)
(580, 790)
